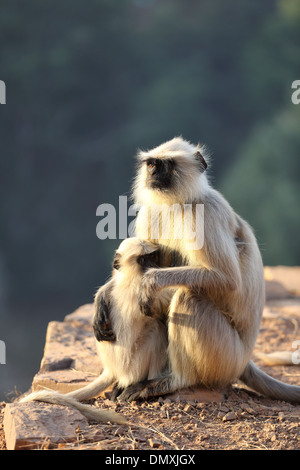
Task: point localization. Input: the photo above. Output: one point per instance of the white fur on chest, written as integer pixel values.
(179, 227)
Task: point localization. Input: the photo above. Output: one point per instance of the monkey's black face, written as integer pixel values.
(146, 261)
(160, 173)
(150, 260)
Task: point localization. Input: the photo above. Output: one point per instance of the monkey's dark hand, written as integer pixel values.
(101, 322)
(148, 290)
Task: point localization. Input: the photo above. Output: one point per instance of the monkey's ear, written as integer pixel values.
(199, 157)
(116, 261)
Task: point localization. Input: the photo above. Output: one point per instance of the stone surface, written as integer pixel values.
(30, 426)
(275, 290)
(63, 381)
(70, 359)
(287, 276)
(83, 315)
(282, 307)
(197, 394)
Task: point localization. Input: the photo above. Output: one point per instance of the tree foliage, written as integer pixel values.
(90, 82)
(264, 186)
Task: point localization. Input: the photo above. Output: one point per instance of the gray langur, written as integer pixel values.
(139, 349)
(215, 312)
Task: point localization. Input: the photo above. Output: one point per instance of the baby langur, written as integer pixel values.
(215, 312)
(139, 351)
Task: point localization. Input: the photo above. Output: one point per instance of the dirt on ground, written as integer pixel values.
(243, 421)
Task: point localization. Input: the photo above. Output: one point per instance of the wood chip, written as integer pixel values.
(154, 443)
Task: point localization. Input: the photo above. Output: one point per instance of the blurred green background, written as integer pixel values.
(88, 83)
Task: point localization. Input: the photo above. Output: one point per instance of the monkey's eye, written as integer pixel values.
(141, 260)
(116, 261)
(151, 164)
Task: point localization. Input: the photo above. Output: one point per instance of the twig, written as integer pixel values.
(160, 433)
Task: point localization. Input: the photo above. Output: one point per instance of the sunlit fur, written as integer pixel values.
(139, 351)
(215, 313)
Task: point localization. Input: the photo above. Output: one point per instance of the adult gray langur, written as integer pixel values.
(215, 313)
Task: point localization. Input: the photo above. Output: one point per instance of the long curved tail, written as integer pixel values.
(72, 399)
(277, 358)
(263, 383)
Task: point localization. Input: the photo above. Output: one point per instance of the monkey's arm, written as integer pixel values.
(101, 321)
(191, 277)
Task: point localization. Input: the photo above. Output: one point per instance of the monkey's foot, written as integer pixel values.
(134, 392)
(116, 392)
(149, 388)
